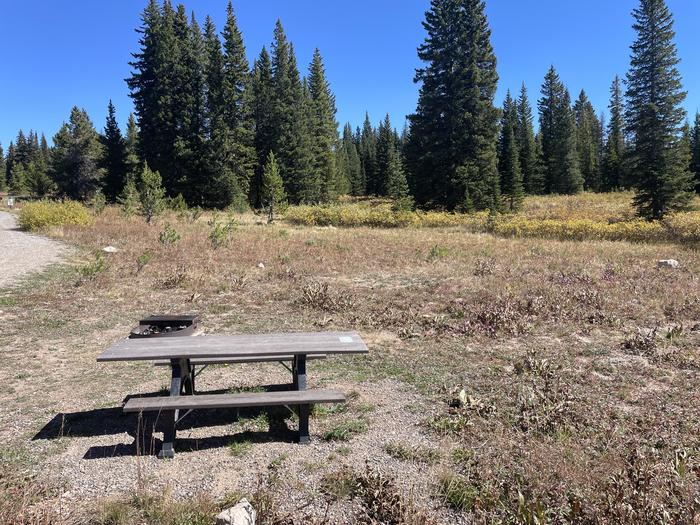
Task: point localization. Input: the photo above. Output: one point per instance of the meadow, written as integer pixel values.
(538, 368)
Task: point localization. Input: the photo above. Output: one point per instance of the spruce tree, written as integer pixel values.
(272, 190)
(511, 179)
(558, 134)
(695, 151)
(532, 178)
(655, 115)
(386, 151)
(353, 173)
(324, 130)
(76, 157)
(3, 180)
(587, 142)
(238, 108)
(614, 173)
(368, 156)
(9, 164)
(292, 141)
(263, 96)
(131, 148)
(151, 193)
(114, 160)
(454, 132)
(219, 185)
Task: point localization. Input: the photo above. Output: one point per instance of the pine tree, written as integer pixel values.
(114, 159)
(131, 148)
(695, 151)
(238, 112)
(75, 159)
(511, 178)
(292, 141)
(3, 180)
(532, 179)
(9, 164)
(386, 152)
(36, 180)
(614, 174)
(324, 130)
(454, 132)
(272, 189)
(368, 156)
(587, 142)
(18, 184)
(263, 96)
(558, 135)
(219, 186)
(655, 115)
(353, 166)
(151, 193)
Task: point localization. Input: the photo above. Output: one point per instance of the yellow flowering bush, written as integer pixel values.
(40, 215)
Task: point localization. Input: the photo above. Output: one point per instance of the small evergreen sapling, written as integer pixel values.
(273, 195)
(151, 194)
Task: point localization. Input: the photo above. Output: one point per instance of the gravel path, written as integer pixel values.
(22, 253)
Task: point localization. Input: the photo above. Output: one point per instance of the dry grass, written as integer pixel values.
(570, 412)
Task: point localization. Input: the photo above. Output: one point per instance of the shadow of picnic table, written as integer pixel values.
(114, 421)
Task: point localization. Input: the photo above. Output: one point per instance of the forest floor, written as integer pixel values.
(577, 365)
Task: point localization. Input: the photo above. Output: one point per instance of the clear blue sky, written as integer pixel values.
(60, 54)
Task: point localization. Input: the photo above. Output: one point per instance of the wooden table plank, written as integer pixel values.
(222, 346)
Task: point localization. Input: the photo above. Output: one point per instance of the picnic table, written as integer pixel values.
(185, 353)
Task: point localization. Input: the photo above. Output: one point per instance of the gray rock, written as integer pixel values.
(242, 513)
(110, 249)
(668, 263)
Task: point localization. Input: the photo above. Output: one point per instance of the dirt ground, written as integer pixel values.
(577, 365)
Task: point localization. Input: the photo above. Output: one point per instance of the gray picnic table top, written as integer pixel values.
(223, 346)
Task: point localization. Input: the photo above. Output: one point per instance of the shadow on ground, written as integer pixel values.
(113, 421)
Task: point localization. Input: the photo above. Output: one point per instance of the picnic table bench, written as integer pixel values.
(185, 353)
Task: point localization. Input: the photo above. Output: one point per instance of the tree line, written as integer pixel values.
(210, 124)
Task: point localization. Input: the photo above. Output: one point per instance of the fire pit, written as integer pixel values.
(165, 326)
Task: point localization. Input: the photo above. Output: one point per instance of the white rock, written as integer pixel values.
(668, 263)
(261, 266)
(110, 249)
(242, 514)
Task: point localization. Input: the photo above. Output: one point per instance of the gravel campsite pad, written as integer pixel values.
(22, 253)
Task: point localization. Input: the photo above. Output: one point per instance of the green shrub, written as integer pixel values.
(36, 216)
(169, 235)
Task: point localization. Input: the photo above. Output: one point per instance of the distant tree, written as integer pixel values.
(353, 164)
(238, 108)
(386, 152)
(3, 179)
(454, 132)
(263, 96)
(151, 193)
(655, 115)
(129, 199)
(588, 135)
(511, 179)
(114, 159)
(532, 177)
(695, 151)
(558, 134)
(132, 160)
(75, 159)
(292, 141)
(614, 173)
(368, 138)
(324, 130)
(272, 191)
(36, 180)
(9, 164)
(19, 186)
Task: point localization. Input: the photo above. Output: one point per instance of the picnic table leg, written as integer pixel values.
(181, 380)
(299, 375)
